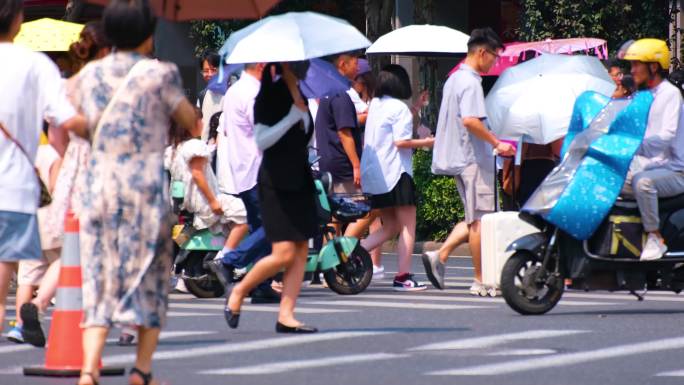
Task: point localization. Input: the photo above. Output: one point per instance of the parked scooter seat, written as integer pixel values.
(664, 204)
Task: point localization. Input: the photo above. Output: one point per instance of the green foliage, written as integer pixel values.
(614, 20)
(210, 35)
(439, 206)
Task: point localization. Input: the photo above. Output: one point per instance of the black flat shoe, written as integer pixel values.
(301, 329)
(232, 318)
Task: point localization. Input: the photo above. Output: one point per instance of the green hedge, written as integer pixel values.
(439, 206)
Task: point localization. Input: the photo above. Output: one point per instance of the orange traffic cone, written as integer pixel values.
(64, 356)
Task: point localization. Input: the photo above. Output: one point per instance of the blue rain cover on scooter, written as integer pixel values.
(603, 137)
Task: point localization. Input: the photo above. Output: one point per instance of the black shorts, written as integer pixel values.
(403, 194)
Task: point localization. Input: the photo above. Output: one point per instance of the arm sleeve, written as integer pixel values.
(194, 148)
(56, 107)
(343, 111)
(666, 136)
(471, 103)
(267, 136)
(402, 128)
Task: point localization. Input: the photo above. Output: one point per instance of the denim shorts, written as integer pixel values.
(19, 238)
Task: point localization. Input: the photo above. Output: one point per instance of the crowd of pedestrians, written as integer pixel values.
(122, 122)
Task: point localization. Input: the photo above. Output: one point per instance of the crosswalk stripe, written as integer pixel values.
(218, 308)
(191, 314)
(564, 359)
(495, 340)
(522, 352)
(15, 348)
(287, 366)
(395, 305)
(241, 347)
(676, 373)
(562, 302)
(649, 297)
(165, 335)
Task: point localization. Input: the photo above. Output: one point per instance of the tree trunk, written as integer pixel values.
(379, 16)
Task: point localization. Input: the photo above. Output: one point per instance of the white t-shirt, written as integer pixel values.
(359, 105)
(382, 162)
(32, 90)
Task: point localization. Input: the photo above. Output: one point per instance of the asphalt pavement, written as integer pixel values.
(431, 337)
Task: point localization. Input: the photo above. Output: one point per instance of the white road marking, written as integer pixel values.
(287, 366)
(396, 305)
(562, 301)
(495, 340)
(260, 308)
(172, 313)
(565, 359)
(165, 335)
(522, 352)
(676, 373)
(15, 348)
(240, 347)
(428, 297)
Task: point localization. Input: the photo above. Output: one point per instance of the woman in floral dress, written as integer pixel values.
(128, 101)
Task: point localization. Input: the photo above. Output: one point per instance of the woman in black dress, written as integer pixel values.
(283, 128)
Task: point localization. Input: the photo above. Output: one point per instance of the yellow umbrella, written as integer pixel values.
(48, 35)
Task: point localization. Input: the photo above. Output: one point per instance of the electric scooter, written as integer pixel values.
(532, 280)
(347, 267)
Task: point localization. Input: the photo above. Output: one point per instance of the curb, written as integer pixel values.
(421, 247)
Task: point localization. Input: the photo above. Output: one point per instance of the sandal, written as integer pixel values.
(92, 378)
(146, 377)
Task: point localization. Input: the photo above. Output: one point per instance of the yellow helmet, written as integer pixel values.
(646, 50)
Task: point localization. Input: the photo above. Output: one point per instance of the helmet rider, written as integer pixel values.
(657, 170)
(650, 59)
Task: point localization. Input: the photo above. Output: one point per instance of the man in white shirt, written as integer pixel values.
(657, 169)
(32, 91)
(208, 100)
(238, 161)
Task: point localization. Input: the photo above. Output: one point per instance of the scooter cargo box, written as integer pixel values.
(499, 230)
(621, 234)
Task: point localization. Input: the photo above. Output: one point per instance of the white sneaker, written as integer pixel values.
(478, 289)
(378, 272)
(180, 286)
(654, 248)
(434, 269)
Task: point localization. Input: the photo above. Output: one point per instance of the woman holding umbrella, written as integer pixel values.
(282, 129)
(286, 191)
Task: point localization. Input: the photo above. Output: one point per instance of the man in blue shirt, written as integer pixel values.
(338, 135)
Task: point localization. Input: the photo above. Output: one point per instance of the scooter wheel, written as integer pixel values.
(204, 286)
(522, 292)
(352, 277)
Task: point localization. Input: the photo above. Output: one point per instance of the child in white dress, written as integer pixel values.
(188, 160)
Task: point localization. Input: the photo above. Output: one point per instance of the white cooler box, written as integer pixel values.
(499, 230)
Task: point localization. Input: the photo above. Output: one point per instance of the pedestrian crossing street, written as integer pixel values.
(530, 347)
